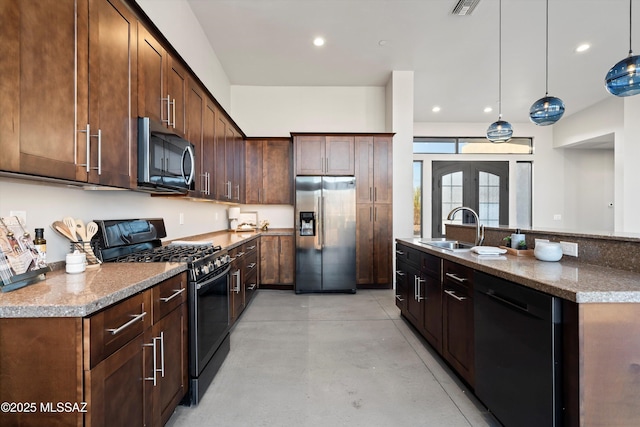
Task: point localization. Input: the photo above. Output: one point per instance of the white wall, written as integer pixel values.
(548, 164)
(278, 111)
(589, 189)
(627, 164)
(177, 22)
(46, 203)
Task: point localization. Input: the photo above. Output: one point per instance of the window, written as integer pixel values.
(417, 198)
(429, 145)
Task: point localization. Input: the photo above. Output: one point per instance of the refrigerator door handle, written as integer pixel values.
(319, 223)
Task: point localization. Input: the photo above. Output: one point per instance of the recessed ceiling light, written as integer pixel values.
(488, 109)
(318, 41)
(583, 47)
(435, 109)
(382, 43)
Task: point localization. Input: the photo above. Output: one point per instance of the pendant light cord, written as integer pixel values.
(500, 60)
(546, 83)
(630, 14)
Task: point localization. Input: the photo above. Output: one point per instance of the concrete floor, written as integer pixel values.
(331, 360)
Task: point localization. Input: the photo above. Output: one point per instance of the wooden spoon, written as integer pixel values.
(61, 228)
(92, 229)
(71, 225)
(81, 230)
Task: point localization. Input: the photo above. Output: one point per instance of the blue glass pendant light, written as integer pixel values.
(623, 79)
(548, 110)
(499, 131)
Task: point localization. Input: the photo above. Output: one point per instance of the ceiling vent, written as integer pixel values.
(464, 7)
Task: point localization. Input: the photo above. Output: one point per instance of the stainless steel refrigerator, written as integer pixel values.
(325, 234)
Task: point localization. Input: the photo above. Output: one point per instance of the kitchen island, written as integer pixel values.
(598, 326)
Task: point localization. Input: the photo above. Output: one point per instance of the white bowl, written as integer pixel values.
(548, 251)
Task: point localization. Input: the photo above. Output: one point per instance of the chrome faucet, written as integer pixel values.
(479, 227)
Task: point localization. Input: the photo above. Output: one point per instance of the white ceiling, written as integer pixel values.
(454, 58)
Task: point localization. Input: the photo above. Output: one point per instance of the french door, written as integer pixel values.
(482, 186)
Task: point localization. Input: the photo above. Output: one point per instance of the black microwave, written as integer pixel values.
(166, 162)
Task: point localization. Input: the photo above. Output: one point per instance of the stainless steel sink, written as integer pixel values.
(449, 245)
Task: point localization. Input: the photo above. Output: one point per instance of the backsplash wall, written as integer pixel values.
(45, 203)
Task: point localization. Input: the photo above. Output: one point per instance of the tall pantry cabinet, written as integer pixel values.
(67, 74)
(374, 202)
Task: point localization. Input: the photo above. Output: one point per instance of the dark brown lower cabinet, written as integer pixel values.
(128, 363)
(277, 261)
(457, 321)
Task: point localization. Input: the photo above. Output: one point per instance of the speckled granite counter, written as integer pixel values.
(79, 295)
(568, 279)
(231, 239)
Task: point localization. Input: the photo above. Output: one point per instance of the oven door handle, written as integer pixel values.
(206, 283)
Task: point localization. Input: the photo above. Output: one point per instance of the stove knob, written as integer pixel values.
(205, 269)
(218, 262)
(211, 266)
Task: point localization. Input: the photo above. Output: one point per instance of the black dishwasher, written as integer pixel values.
(517, 352)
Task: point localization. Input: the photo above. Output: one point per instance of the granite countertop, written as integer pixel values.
(567, 279)
(79, 295)
(231, 239)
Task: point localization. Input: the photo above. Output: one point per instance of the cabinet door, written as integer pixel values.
(340, 153)
(116, 389)
(230, 161)
(458, 331)
(382, 244)
(177, 89)
(238, 167)
(402, 286)
(222, 186)
(382, 169)
(364, 169)
(310, 155)
(171, 362)
(415, 305)
(254, 175)
(287, 264)
(38, 101)
(277, 187)
(208, 149)
(364, 243)
(112, 109)
(269, 260)
(152, 63)
(195, 121)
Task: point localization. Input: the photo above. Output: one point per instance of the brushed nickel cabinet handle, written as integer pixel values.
(456, 277)
(453, 294)
(155, 362)
(176, 292)
(129, 323)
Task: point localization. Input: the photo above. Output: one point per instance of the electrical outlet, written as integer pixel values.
(181, 219)
(569, 248)
(557, 217)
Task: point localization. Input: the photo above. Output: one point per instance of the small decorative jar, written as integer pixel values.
(548, 251)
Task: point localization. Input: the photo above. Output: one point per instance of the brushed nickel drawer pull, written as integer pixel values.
(175, 294)
(453, 294)
(252, 286)
(399, 298)
(155, 362)
(253, 264)
(129, 323)
(456, 278)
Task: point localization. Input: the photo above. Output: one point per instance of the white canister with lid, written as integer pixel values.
(516, 238)
(548, 251)
(76, 262)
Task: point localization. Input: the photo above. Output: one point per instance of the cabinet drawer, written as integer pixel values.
(457, 274)
(168, 295)
(408, 255)
(251, 262)
(430, 265)
(250, 247)
(113, 327)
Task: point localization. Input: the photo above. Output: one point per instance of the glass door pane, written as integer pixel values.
(489, 199)
(452, 189)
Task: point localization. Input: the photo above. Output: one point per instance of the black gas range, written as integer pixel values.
(139, 240)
